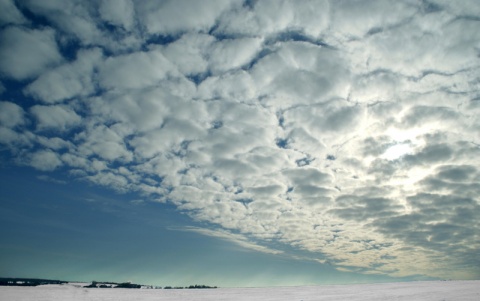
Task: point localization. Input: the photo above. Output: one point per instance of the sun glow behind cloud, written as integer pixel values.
(345, 130)
(397, 151)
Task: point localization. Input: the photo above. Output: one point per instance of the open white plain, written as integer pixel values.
(418, 291)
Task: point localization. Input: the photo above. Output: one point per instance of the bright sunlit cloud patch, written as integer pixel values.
(397, 151)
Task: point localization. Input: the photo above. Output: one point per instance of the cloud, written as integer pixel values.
(229, 54)
(45, 160)
(19, 59)
(52, 180)
(11, 115)
(457, 173)
(341, 131)
(133, 71)
(105, 142)
(119, 13)
(236, 85)
(9, 13)
(72, 17)
(85, 22)
(358, 18)
(175, 17)
(231, 237)
(270, 17)
(55, 117)
(300, 73)
(68, 80)
(190, 53)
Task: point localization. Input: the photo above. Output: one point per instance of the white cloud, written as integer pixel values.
(72, 17)
(136, 70)
(11, 115)
(464, 8)
(172, 134)
(177, 16)
(118, 12)
(237, 86)
(54, 143)
(230, 54)
(238, 239)
(271, 17)
(353, 19)
(25, 53)
(13, 139)
(68, 80)
(189, 53)
(80, 21)
(45, 160)
(105, 142)
(330, 124)
(9, 13)
(51, 180)
(117, 182)
(325, 126)
(55, 117)
(300, 73)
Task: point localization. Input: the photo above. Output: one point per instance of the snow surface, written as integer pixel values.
(418, 291)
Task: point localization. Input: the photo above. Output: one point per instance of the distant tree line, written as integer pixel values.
(28, 282)
(94, 284)
(196, 286)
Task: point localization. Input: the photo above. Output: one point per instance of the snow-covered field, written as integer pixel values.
(433, 290)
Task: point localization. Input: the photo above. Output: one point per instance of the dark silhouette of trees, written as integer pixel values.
(128, 285)
(94, 284)
(28, 281)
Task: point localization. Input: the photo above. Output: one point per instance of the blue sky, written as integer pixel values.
(240, 143)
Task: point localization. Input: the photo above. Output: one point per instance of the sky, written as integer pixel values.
(240, 143)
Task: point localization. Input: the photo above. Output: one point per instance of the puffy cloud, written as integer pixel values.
(14, 139)
(300, 73)
(105, 142)
(9, 13)
(174, 17)
(354, 19)
(229, 54)
(238, 86)
(190, 53)
(85, 22)
(271, 17)
(469, 7)
(55, 117)
(68, 80)
(391, 50)
(343, 131)
(136, 70)
(45, 160)
(118, 12)
(11, 115)
(72, 17)
(25, 53)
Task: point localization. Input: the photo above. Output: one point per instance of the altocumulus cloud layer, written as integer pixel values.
(348, 130)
